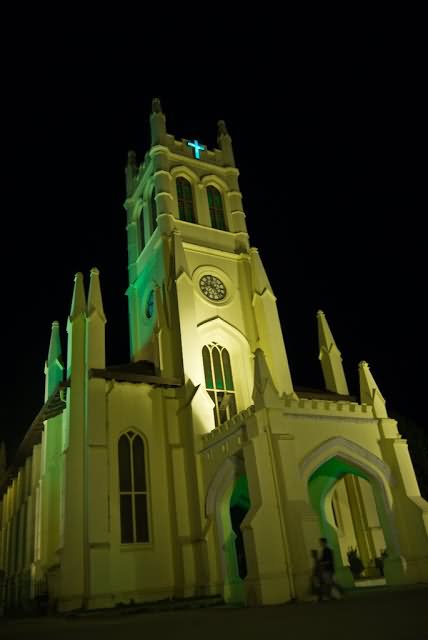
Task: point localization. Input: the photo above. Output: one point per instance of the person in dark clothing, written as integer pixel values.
(329, 588)
(316, 574)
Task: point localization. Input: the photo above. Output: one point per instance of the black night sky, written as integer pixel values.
(333, 176)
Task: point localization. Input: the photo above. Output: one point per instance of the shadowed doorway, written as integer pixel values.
(239, 506)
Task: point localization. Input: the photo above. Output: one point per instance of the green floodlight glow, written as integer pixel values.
(240, 495)
(196, 148)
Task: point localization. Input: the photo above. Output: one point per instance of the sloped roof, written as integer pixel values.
(141, 371)
(52, 407)
(322, 394)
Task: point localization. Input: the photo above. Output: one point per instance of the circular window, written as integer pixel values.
(212, 287)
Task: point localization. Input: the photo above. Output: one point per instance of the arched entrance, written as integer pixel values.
(354, 517)
(239, 507)
(228, 502)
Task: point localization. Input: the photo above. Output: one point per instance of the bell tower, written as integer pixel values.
(194, 280)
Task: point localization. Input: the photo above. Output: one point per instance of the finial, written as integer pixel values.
(222, 129)
(131, 172)
(225, 143)
(78, 303)
(369, 391)
(320, 313)
(95, 302)
(156, 106)
(132, 158)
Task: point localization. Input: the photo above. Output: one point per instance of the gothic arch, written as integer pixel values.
(373, 469)
(217, 509)
(350, 451)
(133, 484)
(215, 181)
(185, 172)
(223, 477)
(218, 330)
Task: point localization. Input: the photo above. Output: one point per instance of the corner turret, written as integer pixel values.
(157, 123)
(225, 143)
(369, 391)
(54, 367)
(331, 359)
(96, 321)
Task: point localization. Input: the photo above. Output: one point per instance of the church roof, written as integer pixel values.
(141, 371)
(52, 407)
(322, 394)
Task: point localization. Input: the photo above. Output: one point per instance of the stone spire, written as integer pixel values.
(96, 321)
(54, 368)
(131, 172)
(225, 143)
(95, 302)
(264, 392)
(157, 123)
(331, 360)
(76, 326)
(259, 276)
(78, 303)
(54, 353)
(369, 391)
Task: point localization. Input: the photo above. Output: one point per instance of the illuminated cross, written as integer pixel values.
(197, 147)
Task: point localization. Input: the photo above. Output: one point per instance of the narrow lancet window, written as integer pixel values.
(185, 200)
(133, 495)
(215, 203)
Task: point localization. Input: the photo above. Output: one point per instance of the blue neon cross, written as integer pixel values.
(197, 148)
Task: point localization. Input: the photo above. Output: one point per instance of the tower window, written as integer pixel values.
(134, 521)
(219, 381)
(215, 203)
(153, 210)
(185, 200)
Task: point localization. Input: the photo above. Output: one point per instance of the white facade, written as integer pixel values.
(228, 475)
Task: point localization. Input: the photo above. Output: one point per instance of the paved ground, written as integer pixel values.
(364, 615)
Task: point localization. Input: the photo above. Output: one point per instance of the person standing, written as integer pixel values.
(329, 588)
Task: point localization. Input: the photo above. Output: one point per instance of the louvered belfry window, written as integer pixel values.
(185, 200)
(215, 203)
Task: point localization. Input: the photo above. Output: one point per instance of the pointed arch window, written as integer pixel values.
(134, 520)
(153, 210)
(185, 200)
(219, 381)
(215, 203)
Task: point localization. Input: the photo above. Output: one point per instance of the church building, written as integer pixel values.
(198, 468)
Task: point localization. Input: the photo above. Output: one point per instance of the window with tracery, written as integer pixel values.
(219, 381)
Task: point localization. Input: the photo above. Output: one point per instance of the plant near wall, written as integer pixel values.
(379, 561)
(355, 563)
